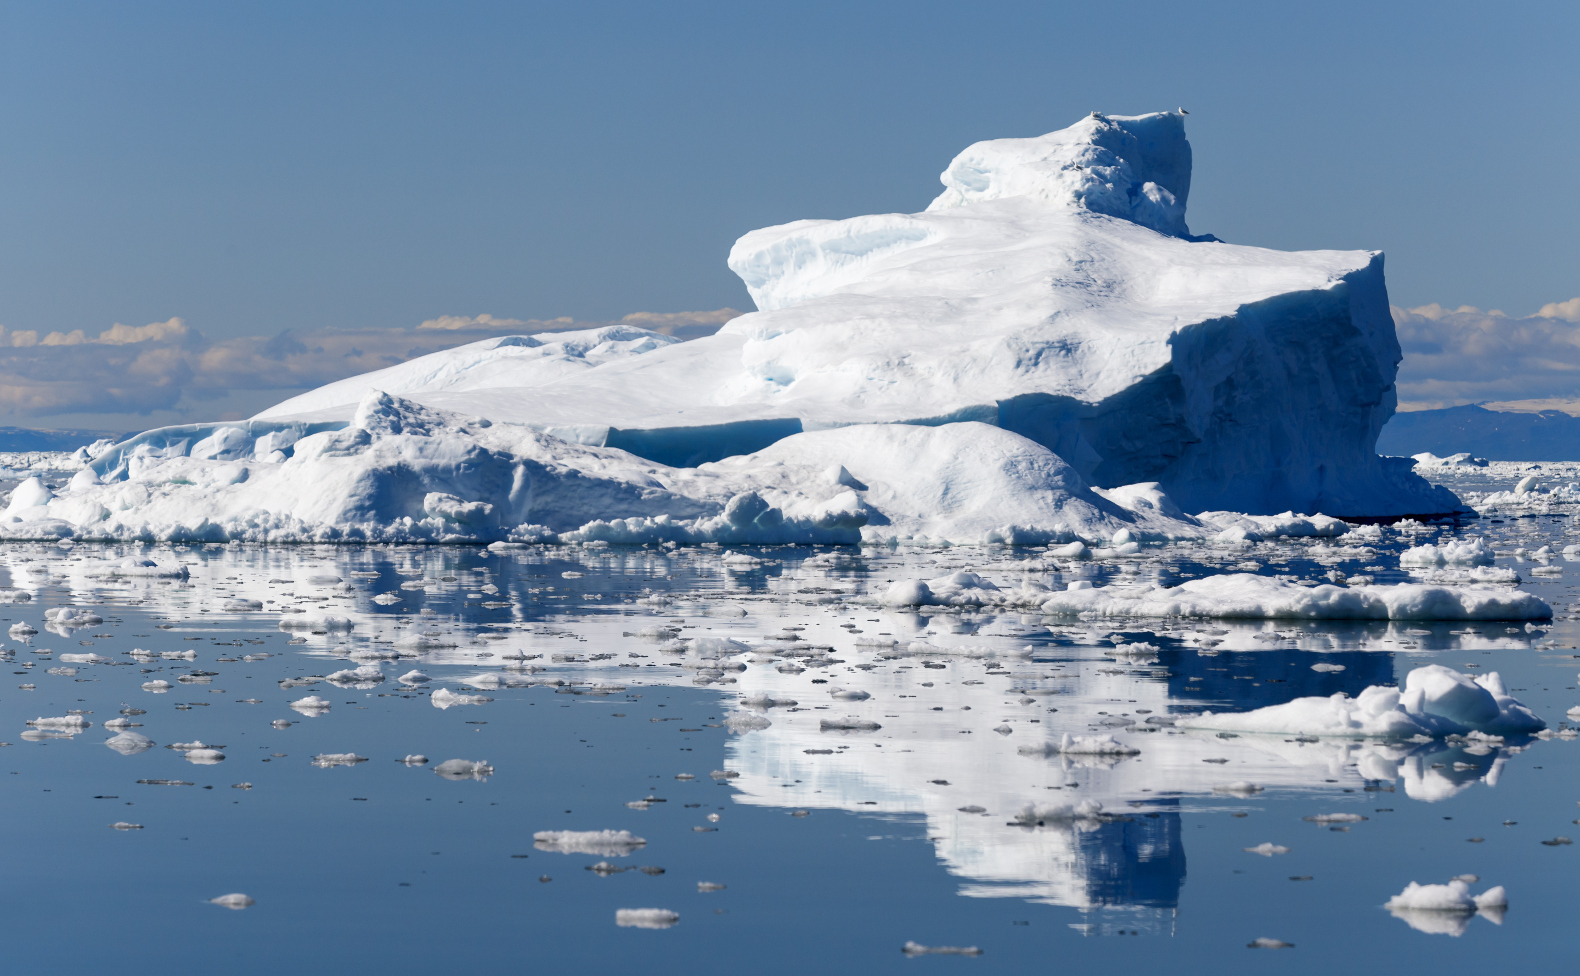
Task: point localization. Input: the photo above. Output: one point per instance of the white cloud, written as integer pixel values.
(1466, 355)
(451, 323)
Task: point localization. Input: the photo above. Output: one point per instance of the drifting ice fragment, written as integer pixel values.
(604, 843)
(459, 769)
(235, 902)
(645, 918)
(129, 743)
(1266, 849)
(917, 949)
(445, 698)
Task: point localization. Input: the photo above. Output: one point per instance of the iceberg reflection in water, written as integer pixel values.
(977, 732)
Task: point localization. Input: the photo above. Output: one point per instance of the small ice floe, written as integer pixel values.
(604, 843)
(1039, 814)
(645, 918)
(83, 659)
(917, 949)
(235, 902)
(311, 705)
(324, 760)
(365, 676)
(445, 698)
(203, 757)
(1446, 909)
(385, 599)
(1238, 788)
(459, 769)
(1265, 943)
(316, 622)
(417, 643)
(848, 724)
(122, 723)
(1327, 668)
(76, 722)
(1471, 551)
(132, 565)
(1334, 818)
(22, 631)
(281, 723)
(415, 760)
(848, 694)
(129, 743)
(157, 686)
(764, 700)
(1574, 714)
(723, 774)
(123, 825)
(703, 887)
(745, 722)
(72, 617)
(414, 677)
(1266, 849)
(39, 735)
(178, 655)
(1434, 701)
(241, 605)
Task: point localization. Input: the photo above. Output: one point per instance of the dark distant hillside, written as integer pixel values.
(1547, 436)
(28, 439)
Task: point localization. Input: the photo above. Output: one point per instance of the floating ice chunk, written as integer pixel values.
(129, 743)
(1435, 701)
(415, 760)
(1266, 849)
(68, 618)
(281, 723)
(1249, 596)
(1035, 813)
(235, 902)
(848, 694)
(459, 769)
(445, 698)
(311, 705)
(83, 659)
(705, 887)
(1452, 897)
(764, 700)
(1470, 551)
(203, 757)
(1328, 668)
(1334, 818)
(1238, 788)
(121, 723)
(917, 949)
(1266, 943)
(362, 677)
(745, 722)
(325, 760)
(123, 825)
(604, 843)
(132, 565)
(414, 677)
(241, 605)
(645, 918)
(313, 621)
(22, 630)
(60, 722)
(423, 642)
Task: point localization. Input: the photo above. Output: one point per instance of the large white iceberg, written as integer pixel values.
(969, 373)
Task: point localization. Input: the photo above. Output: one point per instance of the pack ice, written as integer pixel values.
(971, 373)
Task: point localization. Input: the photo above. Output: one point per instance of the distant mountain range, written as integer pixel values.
(1497, 435)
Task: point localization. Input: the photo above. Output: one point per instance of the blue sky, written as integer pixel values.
(253, 168)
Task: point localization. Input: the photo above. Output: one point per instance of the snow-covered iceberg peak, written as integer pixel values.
(1136, 168)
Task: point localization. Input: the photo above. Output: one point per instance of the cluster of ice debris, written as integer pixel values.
(1117, 374)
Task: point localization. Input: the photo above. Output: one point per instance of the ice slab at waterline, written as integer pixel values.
(919, 754)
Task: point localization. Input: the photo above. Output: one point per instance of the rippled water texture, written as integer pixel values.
(821, 833)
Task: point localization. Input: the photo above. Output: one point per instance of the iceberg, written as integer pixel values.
(1044, 354)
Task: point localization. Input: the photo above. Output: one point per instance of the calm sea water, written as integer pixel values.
(834, 847)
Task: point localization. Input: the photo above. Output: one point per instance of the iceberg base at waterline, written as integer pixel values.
(1434, 702)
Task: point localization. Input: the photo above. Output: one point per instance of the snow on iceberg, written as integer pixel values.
(1471, 551)
(1435, 701)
